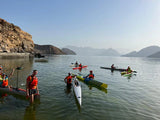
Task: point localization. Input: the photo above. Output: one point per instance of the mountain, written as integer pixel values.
(68, 51)
(92, 51)
(155, 55)
(144, 52)
(13, 39)
(47, 49)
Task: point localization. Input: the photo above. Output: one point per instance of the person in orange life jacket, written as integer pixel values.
(91, 75)
(5, 81)
(68, 79)
(32, 85)
(4, 78)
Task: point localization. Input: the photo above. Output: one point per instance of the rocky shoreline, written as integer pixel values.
(15, 55)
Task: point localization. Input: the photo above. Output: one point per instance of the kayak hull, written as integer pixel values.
(77, 91)
(114, 69)
(80, 67)
(92, 82)
(17, 92)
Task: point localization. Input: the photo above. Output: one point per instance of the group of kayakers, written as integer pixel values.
(77, 65)
(68, 79)
(31, 83)
(128, 70)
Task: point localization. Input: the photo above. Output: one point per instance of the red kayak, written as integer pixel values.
(80, 67)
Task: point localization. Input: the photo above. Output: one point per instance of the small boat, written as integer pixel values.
(80, 67)
(77, 91)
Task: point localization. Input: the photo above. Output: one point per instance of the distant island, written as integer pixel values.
(151, 51)
(16, 42)
(88, 51)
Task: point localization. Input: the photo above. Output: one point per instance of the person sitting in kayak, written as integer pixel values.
(91, 75)
(76, 64)
(5, 81)
(80, 65)
(4, 78)
(32, 85)
(129, 70)
(112, 66)
(68, 80)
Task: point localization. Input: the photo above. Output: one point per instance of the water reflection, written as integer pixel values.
(30, 111)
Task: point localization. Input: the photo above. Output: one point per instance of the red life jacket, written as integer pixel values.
(69, 79)
(91, 76)
(33, 82)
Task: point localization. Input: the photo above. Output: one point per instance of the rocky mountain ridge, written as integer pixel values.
(13, 39)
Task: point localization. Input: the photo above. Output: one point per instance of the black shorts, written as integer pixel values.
(32, 91)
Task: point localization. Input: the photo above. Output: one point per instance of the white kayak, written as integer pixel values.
(77, 91)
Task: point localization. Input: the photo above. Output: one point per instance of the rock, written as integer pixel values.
(47, 49)
(68, 51)
(13, 39)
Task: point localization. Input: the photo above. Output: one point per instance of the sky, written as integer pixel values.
(118, 24)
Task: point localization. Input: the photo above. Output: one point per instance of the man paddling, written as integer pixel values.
(91, 75)
(32, 85)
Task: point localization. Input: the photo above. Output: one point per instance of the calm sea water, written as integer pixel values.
(134, 98)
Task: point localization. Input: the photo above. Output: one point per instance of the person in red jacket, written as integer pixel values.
(32, 85)
(68, 80)
(91, 75)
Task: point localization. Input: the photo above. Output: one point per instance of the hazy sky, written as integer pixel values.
(127, 24)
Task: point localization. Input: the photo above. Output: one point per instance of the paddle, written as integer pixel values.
(18, 68)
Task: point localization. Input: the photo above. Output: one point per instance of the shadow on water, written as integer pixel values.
(68, 90)
(30, 111)
(78, 106)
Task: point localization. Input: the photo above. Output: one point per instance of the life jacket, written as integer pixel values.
(33, 82)
(91, 76)
(69, 79)
(5, 82)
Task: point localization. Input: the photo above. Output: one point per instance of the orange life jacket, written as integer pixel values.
(33, 82)
(5, 82)
(69, 79)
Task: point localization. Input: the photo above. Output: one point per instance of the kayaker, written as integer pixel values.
(32, 85)
(68, 80)
(129, 70)
(112, 66)
(76, 64)
(91, 75)
(4, 78)
(5, 81)
(80, 65)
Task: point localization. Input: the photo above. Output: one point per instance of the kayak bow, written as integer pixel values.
(77, 91)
